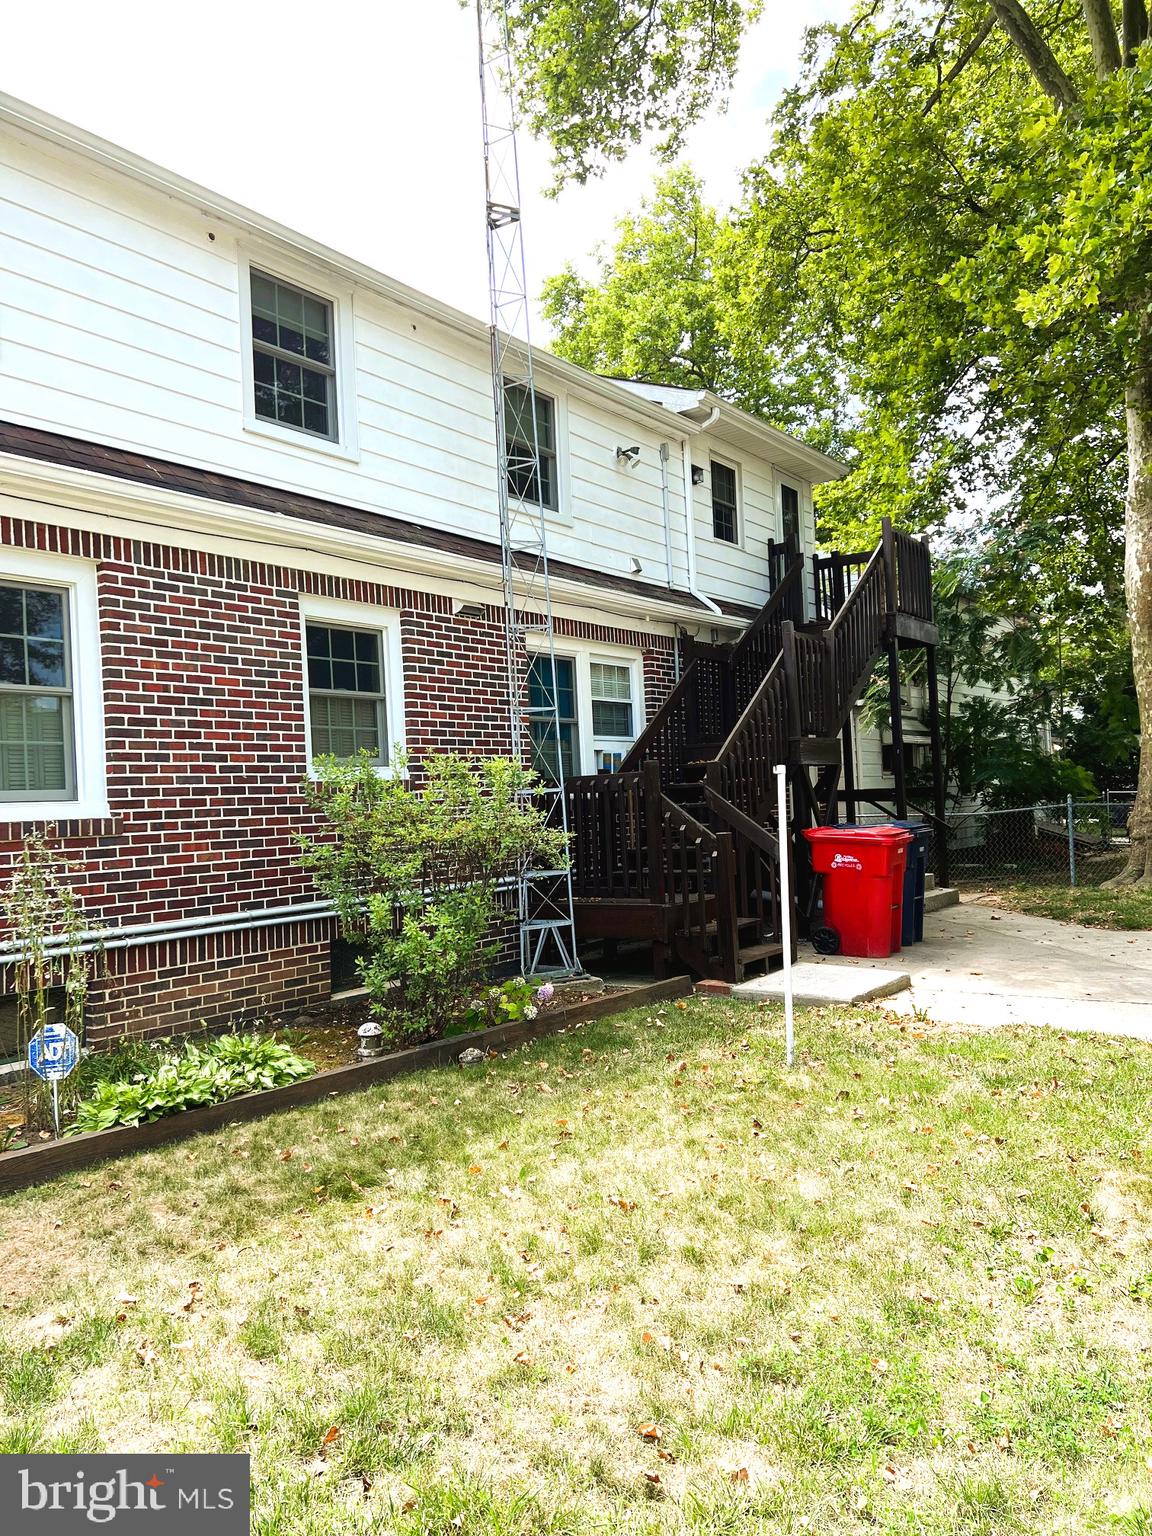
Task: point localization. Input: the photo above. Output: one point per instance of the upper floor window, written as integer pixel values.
(725, 523)
(346, 694)
(293, 357)
(37, 734)
(532, 462)
(790, 514)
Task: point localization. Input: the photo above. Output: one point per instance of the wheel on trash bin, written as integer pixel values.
(826, 941)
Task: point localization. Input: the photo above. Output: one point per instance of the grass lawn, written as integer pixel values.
(635, 1280)
(1084, 904)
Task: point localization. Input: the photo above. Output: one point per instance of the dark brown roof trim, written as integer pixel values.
(142, 469)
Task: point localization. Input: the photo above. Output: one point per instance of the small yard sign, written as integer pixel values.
(52, 1053)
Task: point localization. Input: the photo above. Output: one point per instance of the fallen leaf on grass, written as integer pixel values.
(651, 1432)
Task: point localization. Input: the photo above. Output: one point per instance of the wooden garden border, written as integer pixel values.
(44, 1160)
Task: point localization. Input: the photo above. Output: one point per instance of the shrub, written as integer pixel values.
(507, 1003)
(52, 937)
(415, 874)
(199, 1074)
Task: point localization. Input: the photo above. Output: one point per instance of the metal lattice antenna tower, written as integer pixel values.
(547, 921)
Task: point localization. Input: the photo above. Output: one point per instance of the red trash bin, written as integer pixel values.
(863, 869)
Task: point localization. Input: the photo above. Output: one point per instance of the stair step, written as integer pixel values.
(754, 952)
(943, 896)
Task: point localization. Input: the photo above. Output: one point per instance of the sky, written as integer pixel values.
(356, 123)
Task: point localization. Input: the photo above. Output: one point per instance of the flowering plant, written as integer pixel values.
(507, 1003)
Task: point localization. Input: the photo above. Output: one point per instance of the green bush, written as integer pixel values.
(415, 871)
(207, 1073)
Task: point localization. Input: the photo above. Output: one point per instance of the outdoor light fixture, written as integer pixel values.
(371, 1038)
(629, 456)
(697, 474)
(634, 565)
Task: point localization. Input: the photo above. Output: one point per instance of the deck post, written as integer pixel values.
(654, 831)
(847, 754)
(896, 714)
(939, 787)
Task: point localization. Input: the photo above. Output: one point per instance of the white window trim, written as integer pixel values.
(804, 496)
(733, 465)
(346, 443)
(584, 654)
(78, 578)
(386, 623)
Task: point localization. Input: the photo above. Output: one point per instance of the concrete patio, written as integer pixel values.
(986, 968)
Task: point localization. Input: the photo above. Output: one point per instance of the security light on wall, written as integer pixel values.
(628, 456)
(634, 565)
(697, 474)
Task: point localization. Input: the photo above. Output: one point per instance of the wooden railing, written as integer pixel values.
(913, 577)
(613, 820)
(759, 645)
(714, 689)
(742, 771)
(699, 882)
(833, 578)
(855, 635)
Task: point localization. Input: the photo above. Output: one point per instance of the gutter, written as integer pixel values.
(690, 513)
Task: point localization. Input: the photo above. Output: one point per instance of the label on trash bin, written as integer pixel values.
(846, 861)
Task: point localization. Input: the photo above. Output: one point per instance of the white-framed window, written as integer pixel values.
(293, 356)
(611, 688)
(533, 457)
(297, 351)
(51, 692)
(725, 502)
(790, 514)
(353, 680)
(599, 712)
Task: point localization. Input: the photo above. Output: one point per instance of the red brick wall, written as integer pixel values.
(206, 751)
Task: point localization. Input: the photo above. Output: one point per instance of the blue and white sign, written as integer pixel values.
(53, 1051)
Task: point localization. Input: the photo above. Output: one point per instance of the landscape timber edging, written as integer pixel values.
(46, 1159)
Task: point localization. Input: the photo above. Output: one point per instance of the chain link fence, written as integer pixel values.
(1070, 842)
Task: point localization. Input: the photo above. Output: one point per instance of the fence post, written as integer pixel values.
(1071, 845)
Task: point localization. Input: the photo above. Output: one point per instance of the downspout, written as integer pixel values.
(689, 515)
(667, 514)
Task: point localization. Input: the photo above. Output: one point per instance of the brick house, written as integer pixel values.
(247, 515)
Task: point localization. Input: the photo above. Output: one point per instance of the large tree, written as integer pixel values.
(954, 205)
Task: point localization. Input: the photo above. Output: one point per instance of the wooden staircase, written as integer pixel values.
(680, 847)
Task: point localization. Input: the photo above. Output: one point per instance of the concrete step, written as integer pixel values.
(815, 982)
(929, 881)
(936, 899)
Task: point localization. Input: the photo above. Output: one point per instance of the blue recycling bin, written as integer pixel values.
(915, 873)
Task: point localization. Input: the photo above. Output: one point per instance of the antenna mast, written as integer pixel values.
(547, 919)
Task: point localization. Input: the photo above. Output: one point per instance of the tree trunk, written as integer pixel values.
(1138, 595)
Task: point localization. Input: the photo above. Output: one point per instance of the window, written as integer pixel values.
(543, 688)
(293, 357)
(528, 480)
(346, 694)
(612, 718)
(724, 519)
(37, 739)
(790, 514)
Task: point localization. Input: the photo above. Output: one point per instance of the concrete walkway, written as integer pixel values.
(983, 967)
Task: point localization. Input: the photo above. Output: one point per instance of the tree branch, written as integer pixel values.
(1034, 50)
(1101, 26)
(1135, 27)
(964, 58)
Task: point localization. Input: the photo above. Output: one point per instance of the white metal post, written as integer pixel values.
(785, 908)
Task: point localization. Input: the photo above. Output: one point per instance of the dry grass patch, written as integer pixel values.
(635, 1280)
